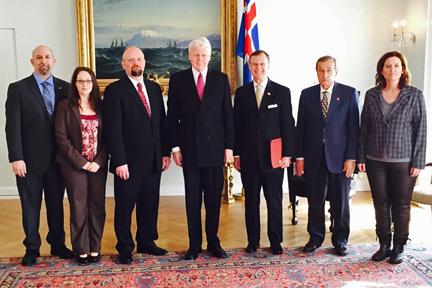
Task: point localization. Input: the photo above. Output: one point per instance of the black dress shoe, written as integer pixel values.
(124, 258)
(82, 261)
(62, 252)
(94, 259)
(310, 247)
(276, 249)
(382, 253)
(340, 250)
(192, 254)
(29, 258)
(396, 255)
(217, 252)
(152, 249)
(252, 247)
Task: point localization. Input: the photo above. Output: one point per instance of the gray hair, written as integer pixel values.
(201, 41)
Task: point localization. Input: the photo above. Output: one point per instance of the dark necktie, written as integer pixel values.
(143, 99)
(324, 104)
(48, 98)
(200, 86)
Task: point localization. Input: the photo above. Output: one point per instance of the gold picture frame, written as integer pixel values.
(86, 45)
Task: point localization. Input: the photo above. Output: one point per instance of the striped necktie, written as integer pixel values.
(144, 99)
(48, 98)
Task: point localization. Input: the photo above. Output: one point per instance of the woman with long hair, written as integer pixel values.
(83, 163)
(392, 150)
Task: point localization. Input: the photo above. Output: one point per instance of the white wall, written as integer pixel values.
(295, 33)
(23, 26)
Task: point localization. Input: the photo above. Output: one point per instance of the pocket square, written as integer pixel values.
(272, 106)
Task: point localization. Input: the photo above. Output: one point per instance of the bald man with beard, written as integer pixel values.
(134, 117)
(30, 108)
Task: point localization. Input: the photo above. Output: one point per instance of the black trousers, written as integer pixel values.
(198, 182)
(335, 187)
(86, 194)
(141, 190)
(392, 190)
(30, 189)
(271, 182)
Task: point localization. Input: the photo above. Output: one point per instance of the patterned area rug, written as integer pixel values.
(260, 269)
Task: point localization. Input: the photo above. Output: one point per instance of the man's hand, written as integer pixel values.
(237, 163)
(86, 166)
(285, 162)
(299, 167)
(228, 157)
(414, 172)
(165, 163)
(361, 167)
(178, 159)
(19, 168)
(349, 167)
(122, 172)
(94, 167)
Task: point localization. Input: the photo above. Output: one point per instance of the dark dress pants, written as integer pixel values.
(30, 189)
(337, 186)
(271, 182)
(86, 194)
(142, 190)
(199, 181)
(392, 190)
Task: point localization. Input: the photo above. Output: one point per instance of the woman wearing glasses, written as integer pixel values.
(83, 159)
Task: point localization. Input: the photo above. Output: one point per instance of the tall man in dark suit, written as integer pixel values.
(200, 124)
(30, 106)
(135, 122)
(327, 140)
(262, 112)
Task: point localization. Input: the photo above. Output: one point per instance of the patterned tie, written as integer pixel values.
(258, 94)
(143, 99)
(324, 104)
(200, 86)
(48, 98)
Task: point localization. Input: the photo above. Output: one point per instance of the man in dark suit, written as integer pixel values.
(135, 122)
(262, 112)
(327, 140)
(30, 106)
(200, 124)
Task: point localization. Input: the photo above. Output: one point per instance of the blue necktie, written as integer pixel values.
(48, 98)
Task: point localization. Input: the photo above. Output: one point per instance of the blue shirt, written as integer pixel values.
(50, 81)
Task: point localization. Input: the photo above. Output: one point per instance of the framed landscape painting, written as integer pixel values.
(162, 30)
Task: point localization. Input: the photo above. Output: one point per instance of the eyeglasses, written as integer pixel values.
(84, 82)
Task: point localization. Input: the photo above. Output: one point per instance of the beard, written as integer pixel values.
(136, 72)
(44, 70)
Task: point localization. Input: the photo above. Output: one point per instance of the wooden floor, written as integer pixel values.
(232, 231)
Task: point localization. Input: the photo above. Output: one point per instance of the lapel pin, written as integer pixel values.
(337, 99)
(268, 93)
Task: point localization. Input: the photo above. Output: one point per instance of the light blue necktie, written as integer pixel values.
(48, 98)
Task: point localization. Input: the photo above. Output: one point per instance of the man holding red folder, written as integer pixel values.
(262, 113)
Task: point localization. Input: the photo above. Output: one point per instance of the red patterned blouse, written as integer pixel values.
(89, 132)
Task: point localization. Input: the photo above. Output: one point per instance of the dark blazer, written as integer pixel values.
(202, 129)
(255, 128)
(339, 132)
(131, 136)
(29, 129)
(403, 133)
(69, 137)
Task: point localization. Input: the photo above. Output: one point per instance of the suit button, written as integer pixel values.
(208, 137)
(197, 138)
(208, 122)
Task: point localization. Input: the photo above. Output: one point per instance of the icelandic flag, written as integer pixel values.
(248, 41)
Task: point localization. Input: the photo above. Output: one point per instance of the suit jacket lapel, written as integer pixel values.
(57, 89)
(333, 102)
(37, 94)
(133, 93)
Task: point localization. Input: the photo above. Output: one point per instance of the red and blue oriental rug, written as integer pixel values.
(261, 269)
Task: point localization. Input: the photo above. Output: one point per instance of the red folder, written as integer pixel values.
(276, 152)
